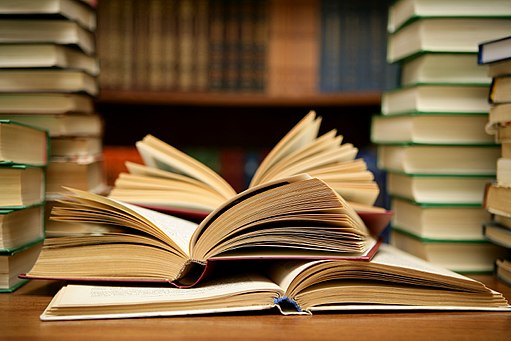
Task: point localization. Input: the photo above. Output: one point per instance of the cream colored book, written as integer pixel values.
(296, 217)
(394, 280)
(171, 180)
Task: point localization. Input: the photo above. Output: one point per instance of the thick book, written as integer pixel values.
(497, 198)
(404, 11)
(85, 173)
(439, 159)
(70, 124)
(75, 10)
(48, 80)
(436, 98)
(428, 128)
(392, 281)
(500, 90)
(56, 31)
(474, 256)
(173, 181)
(20, 143)
(296, 217)
(497, 233)
(444, 68)
(16, 261)
(503, 270)
(47, 56)
(45, 103)
(25, 184)
(440, 34)
(21, 226)
(494, 50)
(439, 221)
(438, 188)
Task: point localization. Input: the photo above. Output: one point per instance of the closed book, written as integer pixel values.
(45, 103)
(497, 233)
(500, 90)
(439, 188)
(20, 143)
(15, 263)
(47, 31)
(47, 56)
(439, 159)
(444, 68)
(461, 256)
(21, 226)
(436, 98)
(22, 185)
(494, 50)
(403, 11)
(454, 222)
(497, 199)
(431, 128)
(74, 10)
(437, 34)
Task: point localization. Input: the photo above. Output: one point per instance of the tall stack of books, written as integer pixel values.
(23, 160)
(496, 55)
(48, 79)
(431, 134)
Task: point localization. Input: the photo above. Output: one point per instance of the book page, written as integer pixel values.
(232, 293)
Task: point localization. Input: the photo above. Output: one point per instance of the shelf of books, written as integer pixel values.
(495, 54)
(431, 132)
(269, 52)
(48, 72)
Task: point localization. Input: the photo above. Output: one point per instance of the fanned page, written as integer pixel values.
(393, 278)
(158, 154)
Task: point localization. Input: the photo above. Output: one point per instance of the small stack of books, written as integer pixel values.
(48, 79)
(23, 161)
(496, 55)
(431, 134)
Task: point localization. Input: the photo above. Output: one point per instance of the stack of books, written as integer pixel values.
(48, 79)
(23, 161)
(430, 134)
(496, 55)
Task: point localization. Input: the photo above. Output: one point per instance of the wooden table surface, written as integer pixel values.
(19, 319)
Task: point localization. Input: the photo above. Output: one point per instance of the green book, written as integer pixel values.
(19, 227)
(431, 128)
(23, 143)
(15, 263)
(26, 185)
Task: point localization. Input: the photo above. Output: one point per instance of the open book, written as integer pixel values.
(176, 183)
(295, 217)
(393, 280)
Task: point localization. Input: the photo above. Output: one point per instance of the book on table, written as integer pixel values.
(295, 217)
(393, 280)
(172, 181)
(15, 261)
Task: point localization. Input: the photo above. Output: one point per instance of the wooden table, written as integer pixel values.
(19, 319)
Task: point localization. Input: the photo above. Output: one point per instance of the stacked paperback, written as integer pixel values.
(431, 131)
(48, 79)
(496, 55)
(301, 239)
(23, 161)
